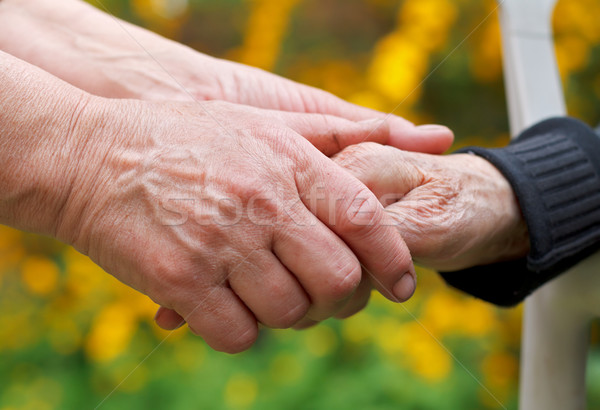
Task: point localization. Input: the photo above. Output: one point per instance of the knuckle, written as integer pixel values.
(324, 119)
(175, 277)
(245, 340)
(290, 317)
(344, 282)
(287, 305)
(362, 210)
(235, 341)
(395, 266)
(359, 155)
(217, 105)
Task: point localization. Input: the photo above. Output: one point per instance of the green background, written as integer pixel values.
(75, 338)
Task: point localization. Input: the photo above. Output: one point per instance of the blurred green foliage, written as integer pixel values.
(72, 337)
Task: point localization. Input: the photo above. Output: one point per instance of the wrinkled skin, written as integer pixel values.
(453, 211)
(228, 240)
(112, 58)
(228, 215)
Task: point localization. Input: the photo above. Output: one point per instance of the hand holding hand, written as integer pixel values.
(225, 213)
(453, 211)
(105, 56)
(228, 216)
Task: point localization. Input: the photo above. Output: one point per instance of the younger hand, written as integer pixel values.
(108, 57)
(227, 215)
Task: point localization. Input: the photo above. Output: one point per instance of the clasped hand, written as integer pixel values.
(226, 209)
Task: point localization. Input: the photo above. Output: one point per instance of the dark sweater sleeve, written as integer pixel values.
(554, 170)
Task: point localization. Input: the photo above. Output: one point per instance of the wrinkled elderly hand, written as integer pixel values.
(453, 211)
(112, 58)
(224, 213)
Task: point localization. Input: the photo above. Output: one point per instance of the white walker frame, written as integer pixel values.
(557, 316)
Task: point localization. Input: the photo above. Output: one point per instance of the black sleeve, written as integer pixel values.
(554, 170)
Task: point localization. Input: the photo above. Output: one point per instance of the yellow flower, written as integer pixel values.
(320, 340)
(139, 303)
(424, 354)
(9, 237)
(486, 56)
(84, 278)
(500, 369)
(500, 372)
(578, 16)
(427, 22)
(40, 275)
(240, 391)
(390, 337)
(368, 99)
(477, 318)
(358, 329)
(572, 54)
(111, 332)
(163, 16)
(445, 313)
(14, 330)
(285, 368)
(397, 68)
(442, 312)
(64, 335)
(266, 28)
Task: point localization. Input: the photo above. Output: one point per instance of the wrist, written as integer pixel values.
(105, 129)
(90, 50)
(41, 134)
(501, 228)
(509, 235)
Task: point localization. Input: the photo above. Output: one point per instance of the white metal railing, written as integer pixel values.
(557, 316)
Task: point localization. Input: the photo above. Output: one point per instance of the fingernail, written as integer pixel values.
(158, 314)
(433, 128)
(405, 287)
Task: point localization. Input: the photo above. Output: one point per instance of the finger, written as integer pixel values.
(433, 139)
(323, 264)
(353, 212)
(396, 185)
(390, 183)
(221, 319)
(330, 134)
(168, 319)
(270, 291)
(359, 300)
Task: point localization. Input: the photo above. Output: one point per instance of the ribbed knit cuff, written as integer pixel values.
(554, 170)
